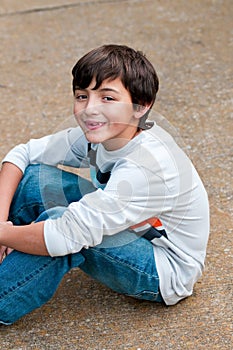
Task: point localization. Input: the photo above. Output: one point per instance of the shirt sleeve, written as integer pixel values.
(51, 150)
(126, 200)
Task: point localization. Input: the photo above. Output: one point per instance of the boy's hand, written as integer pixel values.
(4, 251)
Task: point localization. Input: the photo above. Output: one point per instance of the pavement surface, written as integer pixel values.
(191, 45)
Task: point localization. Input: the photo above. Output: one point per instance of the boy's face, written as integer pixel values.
(106, 115)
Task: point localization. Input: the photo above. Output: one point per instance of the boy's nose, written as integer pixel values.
(92, 107)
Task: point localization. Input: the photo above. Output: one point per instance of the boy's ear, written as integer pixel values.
(141, 110)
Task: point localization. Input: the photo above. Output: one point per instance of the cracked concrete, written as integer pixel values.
(191, 46)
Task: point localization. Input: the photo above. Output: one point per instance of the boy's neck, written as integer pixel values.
(118, 143)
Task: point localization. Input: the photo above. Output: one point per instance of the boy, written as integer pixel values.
(140, 226)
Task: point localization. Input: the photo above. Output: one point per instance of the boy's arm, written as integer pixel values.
(10, 176)
(27, 239)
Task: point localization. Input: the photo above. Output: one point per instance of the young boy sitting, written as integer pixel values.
(140, 226)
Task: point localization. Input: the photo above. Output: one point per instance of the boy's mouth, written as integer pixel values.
(92, 125)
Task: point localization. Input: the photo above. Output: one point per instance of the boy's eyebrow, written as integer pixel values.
(78, 88)
(109, 89)
(101, 90)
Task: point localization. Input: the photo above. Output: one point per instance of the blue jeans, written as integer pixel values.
(123, 262)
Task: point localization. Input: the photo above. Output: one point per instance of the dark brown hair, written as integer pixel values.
(112, 61)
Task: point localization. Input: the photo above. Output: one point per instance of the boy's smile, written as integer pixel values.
(106, 114)
(93, 125)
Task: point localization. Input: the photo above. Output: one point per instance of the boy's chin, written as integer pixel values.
(94, 138)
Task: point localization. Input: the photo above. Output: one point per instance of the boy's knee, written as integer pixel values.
(52, 213)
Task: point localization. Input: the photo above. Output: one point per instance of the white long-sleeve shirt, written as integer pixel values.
(150, 177)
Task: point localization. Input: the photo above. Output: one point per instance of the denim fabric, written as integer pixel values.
(123, 262)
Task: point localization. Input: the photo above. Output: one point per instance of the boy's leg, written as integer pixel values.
(43, 187)
(125, 263)
(28, 281)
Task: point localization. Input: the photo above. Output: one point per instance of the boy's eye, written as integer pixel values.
(108, 98)
(81, 97)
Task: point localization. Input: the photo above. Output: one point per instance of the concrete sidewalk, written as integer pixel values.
(191, 46)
